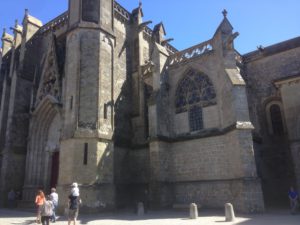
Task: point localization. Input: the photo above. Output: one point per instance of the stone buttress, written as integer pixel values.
(86, 147)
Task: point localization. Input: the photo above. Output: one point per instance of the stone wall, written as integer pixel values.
(205, 159)
(290, 93)
(260, 75)
(261, 70)
(210, 171)
(122, 85)
(245, 195)
(95, 176)
(131, 175)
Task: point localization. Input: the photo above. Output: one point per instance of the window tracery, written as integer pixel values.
(194, 91)
(195, 118)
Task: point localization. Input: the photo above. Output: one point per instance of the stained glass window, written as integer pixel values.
(195, 118)
(194, 91)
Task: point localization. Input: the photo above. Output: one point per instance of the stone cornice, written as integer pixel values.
(272, 50)
(206, 133)
(287, 80)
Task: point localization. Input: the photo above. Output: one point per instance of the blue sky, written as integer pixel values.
(259, 22)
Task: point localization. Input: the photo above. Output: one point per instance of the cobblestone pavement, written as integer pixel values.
(280, 217)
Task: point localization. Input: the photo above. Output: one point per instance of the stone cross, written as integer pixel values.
(224, 13)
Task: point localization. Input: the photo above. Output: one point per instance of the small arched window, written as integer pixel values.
(194, 91)
(276, 119)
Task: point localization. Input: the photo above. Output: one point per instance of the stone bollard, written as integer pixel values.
(193, 211)
(140, 209)
(229, 212)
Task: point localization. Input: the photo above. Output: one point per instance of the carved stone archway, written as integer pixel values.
(43, 142)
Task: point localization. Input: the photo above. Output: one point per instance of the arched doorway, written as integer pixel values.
(42, 160)
(273, 158)
(52, 148)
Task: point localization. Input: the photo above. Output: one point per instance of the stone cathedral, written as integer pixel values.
(97, 97)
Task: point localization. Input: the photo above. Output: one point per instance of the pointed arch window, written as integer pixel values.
(194, 91)
(276, 119)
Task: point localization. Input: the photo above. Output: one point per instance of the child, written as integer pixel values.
(75, 190)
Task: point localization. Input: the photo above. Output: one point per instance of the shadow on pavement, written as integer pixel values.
(26, 222)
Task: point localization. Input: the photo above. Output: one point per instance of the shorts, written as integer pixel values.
(73, 214)
(39, 209)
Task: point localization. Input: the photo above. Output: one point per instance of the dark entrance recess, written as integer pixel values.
(54, 169)
(274, 161)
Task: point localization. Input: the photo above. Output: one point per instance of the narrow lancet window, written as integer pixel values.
(85, 154)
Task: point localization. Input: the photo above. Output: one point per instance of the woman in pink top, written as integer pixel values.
(39, 201)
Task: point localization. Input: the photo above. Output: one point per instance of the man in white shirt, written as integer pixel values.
(54, 199)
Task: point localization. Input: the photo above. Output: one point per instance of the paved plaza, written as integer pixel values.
(206, 217)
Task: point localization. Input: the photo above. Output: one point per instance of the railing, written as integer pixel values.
(65, 16)
(121, 11)
(190, 53)
(55, 22)
(170, 48)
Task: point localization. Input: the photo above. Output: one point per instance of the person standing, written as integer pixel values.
(75, 189)
(74, 201)
(54, 199)
(46, 211)
(11, 197)
(293, 196)
(39, 201)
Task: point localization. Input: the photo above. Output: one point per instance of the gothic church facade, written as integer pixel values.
(97, 97)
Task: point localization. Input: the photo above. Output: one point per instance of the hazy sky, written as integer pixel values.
(189, 22)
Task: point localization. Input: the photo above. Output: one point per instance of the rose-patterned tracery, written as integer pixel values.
(194, 89)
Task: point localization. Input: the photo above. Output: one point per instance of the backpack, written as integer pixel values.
(47, 209)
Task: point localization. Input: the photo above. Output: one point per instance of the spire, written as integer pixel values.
(30, 19)
(137, 13)
(17, 27)
(6, 36)
(7, 41)
(225, 26)
(159, 32)
(26, 13)
(3, 33)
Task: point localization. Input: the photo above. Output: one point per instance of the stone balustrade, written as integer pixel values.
(190, 53)
(55, 23)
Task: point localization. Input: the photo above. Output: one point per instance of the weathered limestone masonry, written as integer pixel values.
(273, 111)
(14, 111)
(88, 124)
(289, 90)
(214, 165)
(95, 96)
